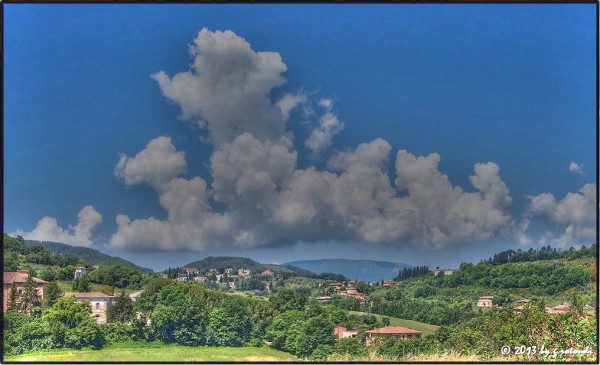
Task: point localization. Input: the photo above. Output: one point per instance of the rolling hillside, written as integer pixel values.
(224, 262)
(364, 270)
(89, 255)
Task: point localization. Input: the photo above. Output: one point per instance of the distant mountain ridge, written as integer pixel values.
(364, 270)
(89, 255)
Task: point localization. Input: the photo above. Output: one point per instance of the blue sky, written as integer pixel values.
(510, 87)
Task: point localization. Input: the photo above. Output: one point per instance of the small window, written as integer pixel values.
(97, 306)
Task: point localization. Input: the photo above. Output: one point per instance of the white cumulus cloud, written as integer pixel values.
(47, 229)
(576, 168)
(155, 165)
(329, 125)
(575, 215)
(228, 88)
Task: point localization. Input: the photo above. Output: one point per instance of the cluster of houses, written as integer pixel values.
(348, 291)
(227, 276)
(378, 334)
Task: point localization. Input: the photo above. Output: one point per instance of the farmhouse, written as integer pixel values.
(398, 332)
(267, 272)
(99, 303)
(485, 301)
(79, 272)
(19, 277)
(342, 332)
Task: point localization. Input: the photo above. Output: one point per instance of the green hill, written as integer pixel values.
(225, 262)
(89, 255)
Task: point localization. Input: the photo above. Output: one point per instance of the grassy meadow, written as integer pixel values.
(156, 352)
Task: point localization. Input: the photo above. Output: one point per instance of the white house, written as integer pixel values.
(79, 272)
(100, 303)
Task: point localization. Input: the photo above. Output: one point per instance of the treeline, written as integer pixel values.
(544, 278)
(544, 253)
(118, 276)
(326, 276)
(412, 272)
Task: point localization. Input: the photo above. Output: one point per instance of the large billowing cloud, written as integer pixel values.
(155, 165)
(574, 215)
(227, 89)
(47, 229)
(264, 198)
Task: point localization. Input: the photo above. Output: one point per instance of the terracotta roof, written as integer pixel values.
(87, 295)
(486, 297)
(17, 277)
(394, 330)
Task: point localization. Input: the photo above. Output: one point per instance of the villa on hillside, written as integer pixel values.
(245, 273)
(398, 332)
(340, 332)
(79, 272)
(388, 283)
(189, 271)
(446, 272)
(485, 301)
(99, 303)
(19, 278)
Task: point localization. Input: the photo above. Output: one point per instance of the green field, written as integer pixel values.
(158, 353)
(427, 329)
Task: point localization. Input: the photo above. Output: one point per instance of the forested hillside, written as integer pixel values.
(88, 255)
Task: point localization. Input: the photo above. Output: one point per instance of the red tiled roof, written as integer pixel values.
(88, 295)
(394, 330)
(17, 277)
